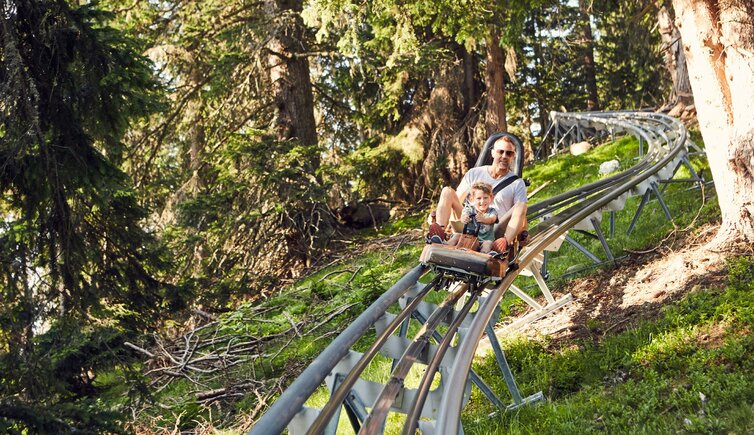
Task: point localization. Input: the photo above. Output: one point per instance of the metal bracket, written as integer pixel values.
(651, 189)
(582, 249)
(539, 310)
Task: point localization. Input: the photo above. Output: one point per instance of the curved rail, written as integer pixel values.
(291, 401)
(376, 419)
(643, 125)
(340, 394)
(665, 138)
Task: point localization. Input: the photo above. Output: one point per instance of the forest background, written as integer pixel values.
(162, 158)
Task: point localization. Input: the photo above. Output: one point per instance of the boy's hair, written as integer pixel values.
(482, 186)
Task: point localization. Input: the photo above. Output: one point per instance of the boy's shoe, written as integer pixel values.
(436, 230)
(505, 250)
(500, 245)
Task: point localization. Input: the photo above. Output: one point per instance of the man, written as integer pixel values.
(510, 202)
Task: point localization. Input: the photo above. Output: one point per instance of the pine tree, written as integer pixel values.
(77, 269)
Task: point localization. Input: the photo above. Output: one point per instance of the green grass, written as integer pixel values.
(574, 379)
(567, 172)
(408, 222)
(688, 371)
(356, 284)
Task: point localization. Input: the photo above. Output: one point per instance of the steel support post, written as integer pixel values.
(685, 162)
(332, 426)
(542, 285)
(555, 142)
(690, 167)
(485, 389)
(500, 357)
(653, 186)
(695, 178)
(354, 406)
(543, 270)
(583, 250)
(504, 367)
(692, 144)
(356, 410)
(643, 202)
(598, 230)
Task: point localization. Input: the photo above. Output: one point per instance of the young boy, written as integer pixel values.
(480, 198)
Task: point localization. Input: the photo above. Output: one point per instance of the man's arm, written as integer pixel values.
(514, 220)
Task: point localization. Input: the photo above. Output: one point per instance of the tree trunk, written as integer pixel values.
(718, 40)
(675, 59)
(289, 74)
(494, 119)
(439, 126)
(590, 71)
(470, 83)
(543, 115)
(294, 119)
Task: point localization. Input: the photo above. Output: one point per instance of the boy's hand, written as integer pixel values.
(465, 218)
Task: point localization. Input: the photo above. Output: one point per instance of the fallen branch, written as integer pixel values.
(139, 349)
(293, 325)
(331, 316)
(538, 189)
(615, 324)
(335, 272)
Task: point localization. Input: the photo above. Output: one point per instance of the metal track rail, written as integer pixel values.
(439, 410)
(412, 419)
(376, 419)
(344, 389)
(292, 400)
(665, 137)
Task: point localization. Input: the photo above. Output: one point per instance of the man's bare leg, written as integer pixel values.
(448, 203)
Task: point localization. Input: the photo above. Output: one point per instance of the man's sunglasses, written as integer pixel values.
(508, 153)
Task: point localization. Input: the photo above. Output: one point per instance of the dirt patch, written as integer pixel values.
(611, 300)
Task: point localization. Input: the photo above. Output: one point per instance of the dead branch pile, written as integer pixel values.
(207, 355)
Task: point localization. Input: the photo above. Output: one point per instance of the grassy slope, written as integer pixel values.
(689, 371)
(576, 377)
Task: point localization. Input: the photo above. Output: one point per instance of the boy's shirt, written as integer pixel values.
(486, 231)
(506, 198)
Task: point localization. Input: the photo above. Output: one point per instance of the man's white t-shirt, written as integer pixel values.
(506, 198)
